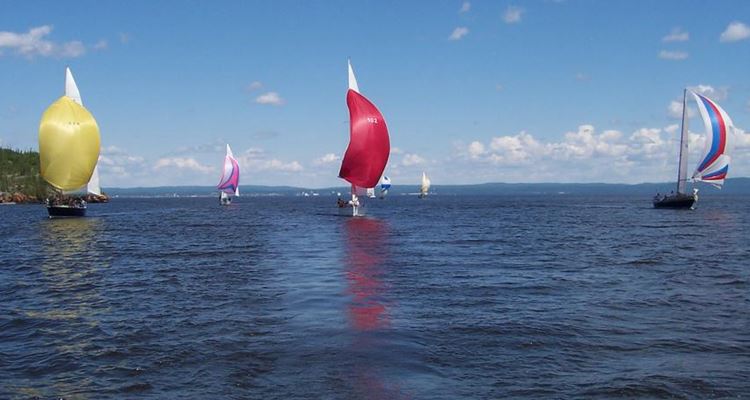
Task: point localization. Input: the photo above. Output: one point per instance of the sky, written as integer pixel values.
(472, 91)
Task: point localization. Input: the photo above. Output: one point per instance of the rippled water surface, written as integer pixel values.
(446, 298)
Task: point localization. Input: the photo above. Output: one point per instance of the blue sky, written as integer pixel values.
(472, 91)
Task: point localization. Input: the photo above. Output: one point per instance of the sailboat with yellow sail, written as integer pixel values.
(68, 151)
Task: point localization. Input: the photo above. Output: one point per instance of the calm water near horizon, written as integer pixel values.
(452, 297)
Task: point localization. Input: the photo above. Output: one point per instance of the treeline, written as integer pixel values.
(19, 173)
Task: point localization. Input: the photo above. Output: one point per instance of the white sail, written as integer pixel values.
(71, 89)
(352, 79)
(371, 193)
(425, 184)
(93, 185)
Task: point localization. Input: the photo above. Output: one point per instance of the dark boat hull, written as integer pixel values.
(678, 201)
(66, 211)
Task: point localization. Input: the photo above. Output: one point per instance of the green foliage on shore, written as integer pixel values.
(19, 173)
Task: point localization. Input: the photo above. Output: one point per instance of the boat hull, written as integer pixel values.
(66, 211)
(677, 201)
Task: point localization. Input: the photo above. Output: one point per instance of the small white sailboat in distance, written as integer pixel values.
(385, 185)
(371, 193)
(714, 163)
(229, 184)
(424, 189)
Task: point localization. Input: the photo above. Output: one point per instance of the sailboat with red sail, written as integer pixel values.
(369, 147)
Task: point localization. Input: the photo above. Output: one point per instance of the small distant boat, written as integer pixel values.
(229, 184)
(69, 145)
(714, 162)
(424, 189)
(371, 193)
(385, 185)
(369, 147)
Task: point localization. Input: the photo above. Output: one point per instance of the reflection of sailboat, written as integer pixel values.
(715, 159)
(424, 188)
(385, 185)
(366, 260)
(68, 149)
(229, 184)
(369, 146)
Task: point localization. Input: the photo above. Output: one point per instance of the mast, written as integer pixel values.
(682, 171)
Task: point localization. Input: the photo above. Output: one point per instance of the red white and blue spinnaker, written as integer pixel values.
(715, 159)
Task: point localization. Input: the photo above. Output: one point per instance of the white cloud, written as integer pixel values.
(465, 7)
(499, 87)
(411, 159)
(674, 109)
(717, 94)
(396, 150)
(581, 77)
(513, 15)
(673, 55)
(34, 43)
(256, 160)
(326, 159)
(271, 98)
(476, 149)
(124, 37)
(100, 45)
(182, 163)
(253, 86)
(735, 31)
(459, 33)
(676, 35)
(584, 155)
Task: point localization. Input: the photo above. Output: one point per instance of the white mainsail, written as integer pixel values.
(71, 90)
(425, 187)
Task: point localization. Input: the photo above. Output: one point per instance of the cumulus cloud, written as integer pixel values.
(513, 15)
(735, 31)
(270, 98)
(459, 33)
(326, 159)
(646, 154)
(676, 35)
(717, 94)
(34, 43)
(411, 159)
(673, 55)
(182, 163)
(396, 150)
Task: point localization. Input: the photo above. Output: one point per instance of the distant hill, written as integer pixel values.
(733, 186)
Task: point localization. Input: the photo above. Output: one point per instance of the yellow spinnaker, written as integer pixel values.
(68, 144)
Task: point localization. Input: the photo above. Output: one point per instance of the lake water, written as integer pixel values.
(446, 298)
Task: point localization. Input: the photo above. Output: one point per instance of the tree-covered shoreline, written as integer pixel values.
(20, 180)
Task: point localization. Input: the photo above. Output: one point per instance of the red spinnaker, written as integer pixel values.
(369, 145)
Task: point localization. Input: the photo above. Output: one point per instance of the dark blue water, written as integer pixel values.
(447, 298)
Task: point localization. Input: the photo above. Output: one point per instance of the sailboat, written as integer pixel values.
(229, 184)
(385, 185)
(715, 159)
(68, 150)
(424, 189)
(369, 147)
